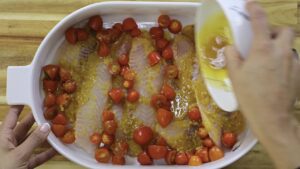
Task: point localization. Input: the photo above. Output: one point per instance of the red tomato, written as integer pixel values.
(170, 157)
(64, 75)
(161, 141)
(202, 133)
(50, 113)
(118, 26)
(144, 159)
(129, 24)
(156, 32)
(164, 117)
(167, 53)
(194, 113)
(51, 71)
(110, 127)
(118, 160)
(229, 139)
(107, 115)
(82, 34)
(164, 21)
(136, 32)
(181, 158)
(215, 153)
(95, 23)
(161, 44)
(105, 35)
(103, 50)
(143, 135)
(208, 143)
(120, 148)
(96, 138)
(60, 119)
(49, 100)
(157, 152)
(133, 96)
(168, 91)
(116, 95)
(50, 85)
(195, 161)
(123, 70)
(63, 100)
(68, 138)
(203, 154)
(71, 35)
(69, 86)
(153, 58)
(160, 101)
(58, 130)
(128, 84)
(107, 139)
(129, 74)
(102, 155)
(123, 60)
(175, 26)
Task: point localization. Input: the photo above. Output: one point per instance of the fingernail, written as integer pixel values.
(45, 127)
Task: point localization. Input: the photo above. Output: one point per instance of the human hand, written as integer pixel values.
(16, 146)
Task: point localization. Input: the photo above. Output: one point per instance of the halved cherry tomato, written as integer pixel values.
(60, 119)
(114, 69)
(133, 96)
(58, 130)
(107, 115)
(120, 148)
(160, 101)
(171, 71)
(161, 141)
(105, 35)
(107, 139)
(195, 161)
(153, 58)
(103, 49)
(164, 21)
(50, 85)
(110, 127)
(69, 86)
(51, 71)
(203, 154)
(129, 74)
(157, 152)
(95, 23)
(168, 91)
(118, 160)
(50, 113)
(123, 60)
(102, 155)
(115, 34)
(215, 153)
(208, 143)
(194, 114)
(156, 32)
(118, 26)
(71, 35)
(116, 95)
(64, 75)
(123, 70)
(63, 100)
(161, 44)
(68, 138)
(96, 138)
(144, 159)
(175, 26)
(170, 157)
(136, 32)
(82, 34)
(128, 84)
(129, 24)
(142, 135)
(229, 139)
(181, 158)
(202, 133)
(167, 53)
(49, 100)
(164, 117)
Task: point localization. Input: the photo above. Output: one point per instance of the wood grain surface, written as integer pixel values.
(24, 24)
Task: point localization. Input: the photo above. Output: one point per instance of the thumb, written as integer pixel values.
(34, 140)
(233, 60)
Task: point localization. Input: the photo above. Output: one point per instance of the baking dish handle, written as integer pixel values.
(18, 86)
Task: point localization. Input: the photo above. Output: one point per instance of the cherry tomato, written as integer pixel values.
(107, 139)
(110, 127)
(129, 24)
(60, 119)
(116, 95)
(123, 60)
(114, 69)
(50, 85)
(168, 91)
(51, 71)
(69, 86)
(136, 32)
(120, 148)
(164, 21)
(71, 35)
(58, 130)
(82, 34)
(194, 114)
(142, 135)
(123, 70)
(167, 53)
(229, 139)
(153, 58)
(156, 32)
(203, 154)
(133, 96)
(202, 133)
(105, 35)
(164, 117)
(157, 152)
(103, 50)
(102, 155)
(129, 74)
(170, 157)
(118, 26)
(144, 159)
(161, 44)
(160, 101)
(118, 160)
(49, 100)
(195, 161)
(64, 75)
(63, 100)
(115, 34)
(107, 115)
(50, 113)
(181, 158)
(175, 26)
(208, 142)
(161, 141)
(171, 71)
(95, 23)
(68, 138)
(96, 138)
(215, 153)
(128, 84)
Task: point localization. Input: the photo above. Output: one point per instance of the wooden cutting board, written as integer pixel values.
(24, 23)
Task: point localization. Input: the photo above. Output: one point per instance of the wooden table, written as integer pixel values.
(24, 23)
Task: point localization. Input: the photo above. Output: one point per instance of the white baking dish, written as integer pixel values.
(24, 84)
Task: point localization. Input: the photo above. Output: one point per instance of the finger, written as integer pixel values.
(286, 38)
(258, 21)
(41, 158)
(11, 118)
(34, 140)
(233, 60)
(23, 127)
